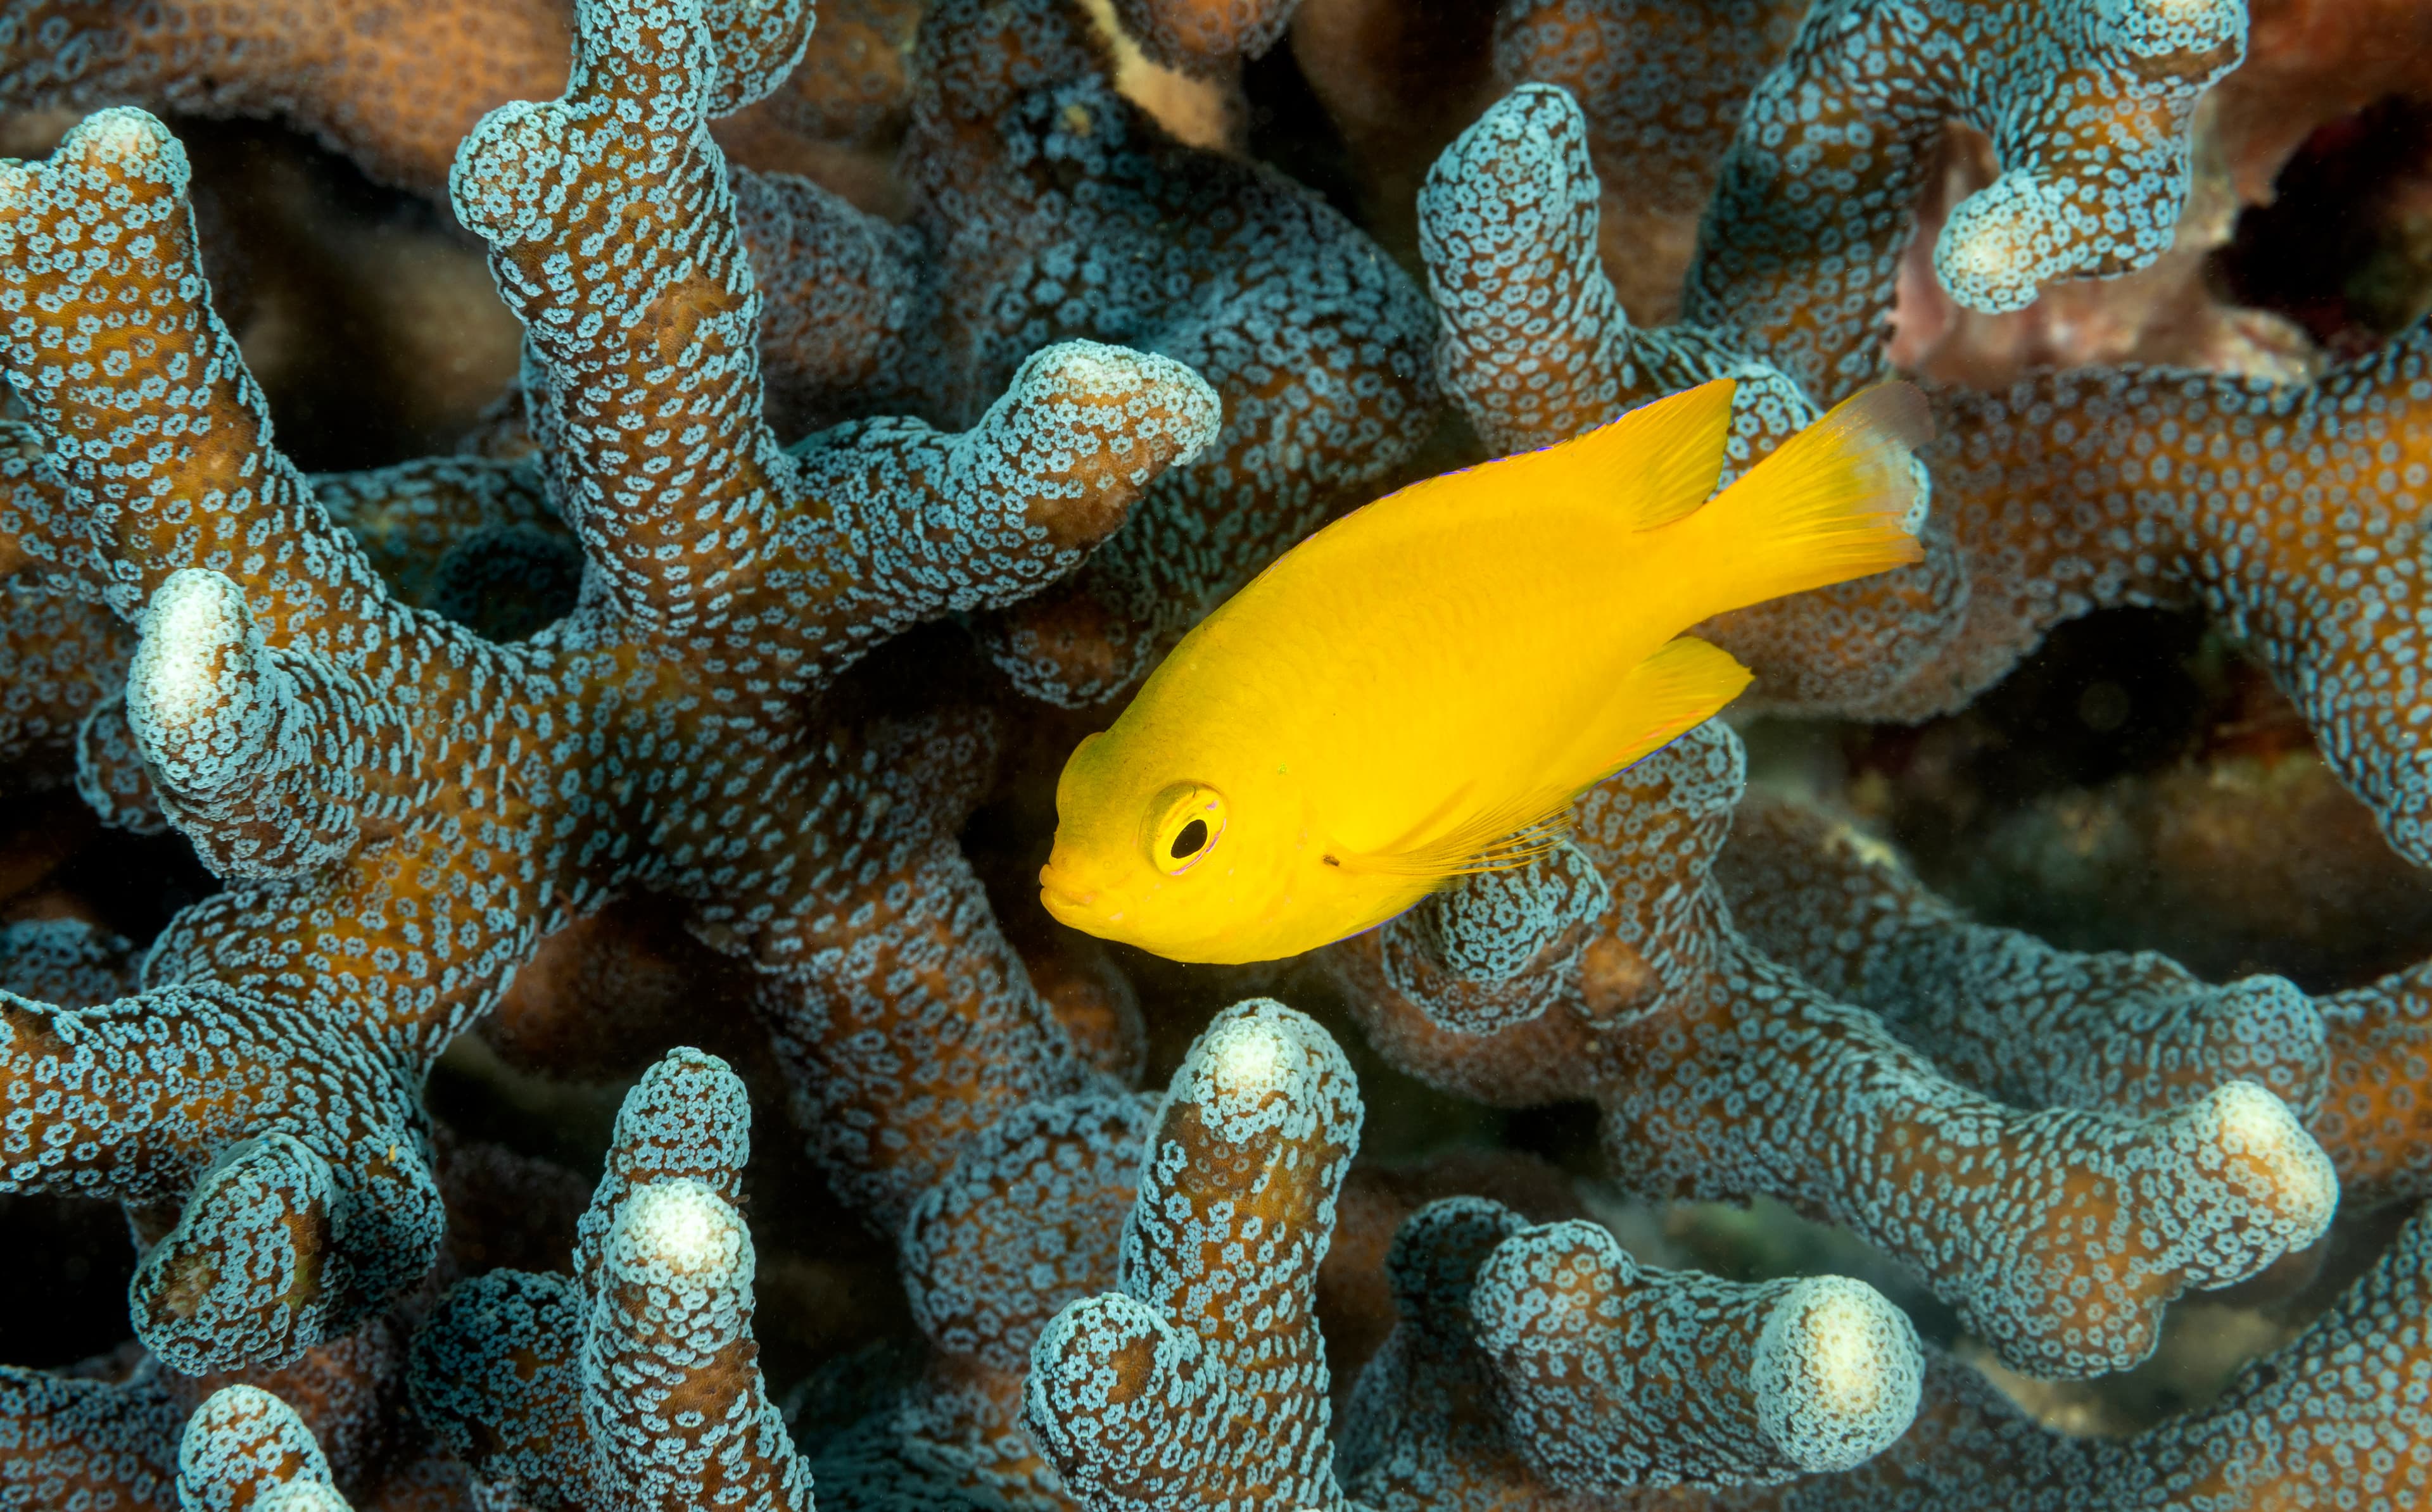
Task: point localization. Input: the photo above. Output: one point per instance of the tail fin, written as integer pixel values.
(1830, 504)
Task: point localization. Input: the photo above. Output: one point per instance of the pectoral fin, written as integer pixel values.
(1684, 683)
(1497, 840)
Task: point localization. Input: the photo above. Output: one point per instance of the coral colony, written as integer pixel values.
(520, 730)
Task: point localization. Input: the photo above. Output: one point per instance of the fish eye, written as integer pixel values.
(1185, 822)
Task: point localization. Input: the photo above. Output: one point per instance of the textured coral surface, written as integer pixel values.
(550, 554)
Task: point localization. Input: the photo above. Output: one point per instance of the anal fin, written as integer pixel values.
(1684, 683)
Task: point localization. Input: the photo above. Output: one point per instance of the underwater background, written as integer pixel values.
(537, 642)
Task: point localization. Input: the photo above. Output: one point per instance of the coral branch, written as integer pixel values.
(272, 763)
(1030, 1221)
(245, 1450)
(1619, 1376)
(72, 1439)
(2059, 1234)
(66, 962)
(1536, 1364)
(396, 89)
(677, 1408)
(1422, 1429)
(2087, 104)
(1047, 206)
(636, 1384)
(2332, 1419)
(1662, 84)
(65, 657)
(2379, 1098)
(1203, 1380)
(1999, 1010)
(427, 803)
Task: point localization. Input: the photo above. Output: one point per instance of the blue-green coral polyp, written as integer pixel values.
(1083, 381)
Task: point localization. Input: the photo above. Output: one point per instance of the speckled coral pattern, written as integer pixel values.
(1662, 83)
(1997, 1008)
(2335, 1419)
(2059, 1233)
(245, 1450)
(1030, 1219)
(407, 775)
(2087, 104)
(1048, 207)
(86, 1442)
(635, 1384)
(1618, 1375)
(2288, 512)
(556, 753)
(395, 87)
(1213, 1318)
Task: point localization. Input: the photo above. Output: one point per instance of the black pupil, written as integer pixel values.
(1188, 840)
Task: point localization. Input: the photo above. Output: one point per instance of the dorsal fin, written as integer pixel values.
(1658, 463)
(1655, 463)
(1678, 444)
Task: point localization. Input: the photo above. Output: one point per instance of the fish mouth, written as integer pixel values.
(1068, 903)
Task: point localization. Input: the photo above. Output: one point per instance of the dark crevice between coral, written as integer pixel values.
(2345, 247)
(1290, 128)
(365, 312)
(71, 1254)
(2097, 794)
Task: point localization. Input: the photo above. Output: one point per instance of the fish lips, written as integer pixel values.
(1072, 905)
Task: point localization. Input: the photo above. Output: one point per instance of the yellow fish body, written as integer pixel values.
(1422, 688)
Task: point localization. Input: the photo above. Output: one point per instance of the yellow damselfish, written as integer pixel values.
(1421, 690)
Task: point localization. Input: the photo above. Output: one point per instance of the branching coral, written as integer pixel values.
(1610, 1377)
(331, 1421)
(1046, 206)
(724, 578)
(1528, 1361)
(246, 1449)
(396, 89)
(1541, 352)
(2000, 1010)
(2287, 511)
(439, 723)
(1661, 85)
(86, 1439)
(633, 1382)
(2335, 1419)
(1219, 1267)
(2014, 1017)
(64, 657)
(2087, 105)
(2057, 1234)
